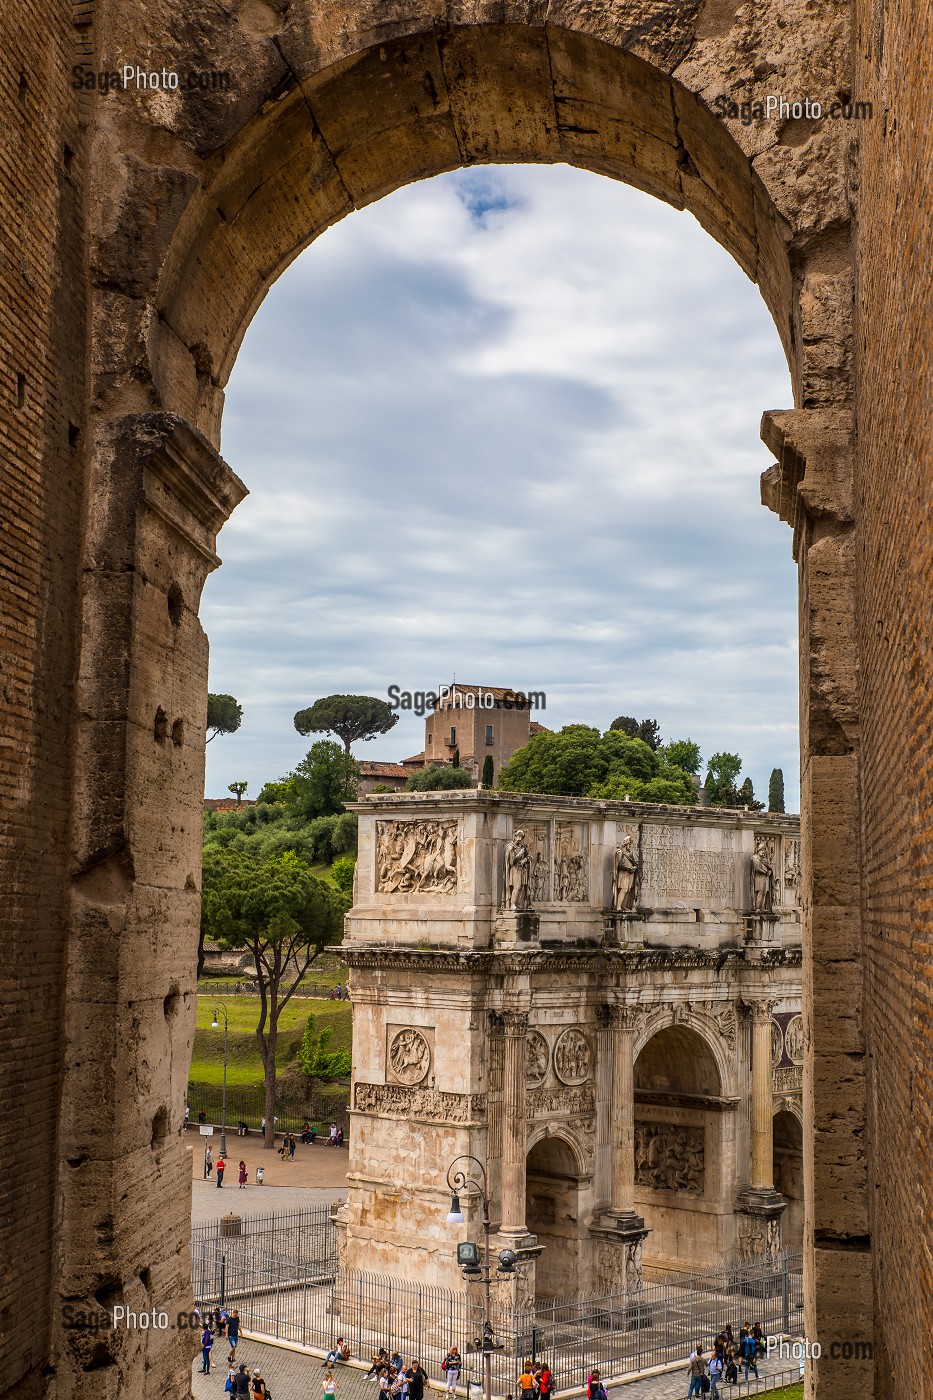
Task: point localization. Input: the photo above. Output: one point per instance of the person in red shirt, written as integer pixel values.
(220, 1169)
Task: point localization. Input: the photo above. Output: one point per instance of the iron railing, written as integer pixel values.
(285, 1282)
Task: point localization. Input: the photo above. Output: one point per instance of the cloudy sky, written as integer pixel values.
(503, 425)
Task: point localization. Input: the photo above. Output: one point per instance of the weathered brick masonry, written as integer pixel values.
(140, 231)
(43, 390)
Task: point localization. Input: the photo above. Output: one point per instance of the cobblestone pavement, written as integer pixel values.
(209, 1203)
(293, 1375)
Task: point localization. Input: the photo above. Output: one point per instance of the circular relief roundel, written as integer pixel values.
(572, 1057)
(409, 1056)
(537, 1056)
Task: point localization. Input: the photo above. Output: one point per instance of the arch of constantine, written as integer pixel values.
(140, 232)
(612, 1036)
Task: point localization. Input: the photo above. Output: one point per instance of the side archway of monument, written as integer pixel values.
(208, 196)
(559, 1204)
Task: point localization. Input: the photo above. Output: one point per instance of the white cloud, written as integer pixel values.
(504, 424)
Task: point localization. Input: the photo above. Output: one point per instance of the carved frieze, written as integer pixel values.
(788, 1080)
(537, 1059)
(430, 1105)
(669, 1157)
(570, 872)
(408, 1059)
(573, 1058)
(561, 1103)
(415, 857)
(722, 1013)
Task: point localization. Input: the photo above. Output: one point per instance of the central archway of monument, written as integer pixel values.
(685, 1150)
(416, 106)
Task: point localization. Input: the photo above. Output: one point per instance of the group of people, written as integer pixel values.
(535, 1382)
(217, 1169)
(221, 1326)
(727, 1357)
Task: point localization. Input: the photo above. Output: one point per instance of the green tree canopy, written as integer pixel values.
(350, 717)
(776, 790)
(647, 730)
(314, 1057)
(238, 788)
(578, 761)
(272, 906)
(682, 753)
(722, 786)
(438, 777)
(224, 715)
(341, 872)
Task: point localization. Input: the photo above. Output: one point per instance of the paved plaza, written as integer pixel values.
(317, 1176)
(293, 1375)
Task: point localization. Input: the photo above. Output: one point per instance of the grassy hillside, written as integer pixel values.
(244, 1067)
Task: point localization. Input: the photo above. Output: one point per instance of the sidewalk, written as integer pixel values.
(293, 1375)
(317, 1165)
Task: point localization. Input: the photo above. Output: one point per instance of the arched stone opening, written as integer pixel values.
(553, 1214)
(679, 1149)
(206, 204)
(788, 1175)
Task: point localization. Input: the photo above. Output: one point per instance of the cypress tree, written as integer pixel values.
(776, 790)
(487, 771)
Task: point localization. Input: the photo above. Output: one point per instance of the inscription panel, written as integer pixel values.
(677, 870)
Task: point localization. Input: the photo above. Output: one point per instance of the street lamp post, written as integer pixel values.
(223, 1108)
(457, 1181)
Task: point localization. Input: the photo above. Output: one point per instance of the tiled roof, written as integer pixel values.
(416, 760)
(536, 728)
(371, 769)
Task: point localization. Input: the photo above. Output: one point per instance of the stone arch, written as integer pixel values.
(714, 1042)
(432, 99)
(787, 1170)
(555, 1173)
(564, 1139)
(204, 200)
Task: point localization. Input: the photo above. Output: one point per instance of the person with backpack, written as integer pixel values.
(730, 1372)
(595, 1390)
(697, 1371)
(207, 1342)
(750, 1354)
(241, 1383)
(545, 1382)
(716, 1367)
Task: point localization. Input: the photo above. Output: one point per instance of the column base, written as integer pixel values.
(759, 1210)
(624, 928)
(619, 1236)
(514, 927)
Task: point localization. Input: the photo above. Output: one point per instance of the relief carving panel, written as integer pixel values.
(400, 1101)
(537, 1059)
(408, 1056)
(670, 1158)
(573, 1058)
(414, 857)
(561, 1103)
(570, 873)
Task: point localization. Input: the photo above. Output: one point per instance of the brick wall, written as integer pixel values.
(894, 42)
(41, 407)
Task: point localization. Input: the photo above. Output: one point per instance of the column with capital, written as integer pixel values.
(622, 1188)
(759, 1236)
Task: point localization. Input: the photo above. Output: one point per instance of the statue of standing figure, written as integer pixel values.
(517, 873)
(762, 878)
(625, 870)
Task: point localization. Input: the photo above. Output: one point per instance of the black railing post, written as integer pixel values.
(785, 1293)
(223, 1278)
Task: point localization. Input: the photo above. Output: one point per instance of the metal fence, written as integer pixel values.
(248, 1105)
(237, 1255)
(294, 1292)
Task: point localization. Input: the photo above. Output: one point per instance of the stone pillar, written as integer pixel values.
(604, 1109)
(761, 1120)
(759, 1205)
(622, 1194)
(494, 1116)
(619, 1233)
(514, 1113)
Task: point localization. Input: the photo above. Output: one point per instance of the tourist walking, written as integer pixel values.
(697, 1371)
(452, 1365)
(241, 1383)
(207, 1343)
(242, 1174)
(545, 1382)
(416, 1380)
(329, 1385)
(233, 1333)
(208, 1163)
(750, 1354)
(259, 1386)
(715, 1373)
(221, 1168)
(291, 1147)
(526, 1382)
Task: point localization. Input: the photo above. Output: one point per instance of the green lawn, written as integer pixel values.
(790, 1392)
(244, 1066)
